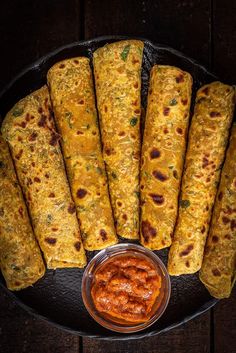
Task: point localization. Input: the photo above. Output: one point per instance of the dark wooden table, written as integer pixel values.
(202, 29)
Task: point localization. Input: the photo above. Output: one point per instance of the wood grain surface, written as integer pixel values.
(202, 29)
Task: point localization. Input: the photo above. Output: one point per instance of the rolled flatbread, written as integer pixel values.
(30, 131)
(208, 138)
(218, 272)
(21, 262)
(71, 90)
(117, 70)
(163, 152)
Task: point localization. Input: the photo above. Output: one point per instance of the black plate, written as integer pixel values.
(57, 296)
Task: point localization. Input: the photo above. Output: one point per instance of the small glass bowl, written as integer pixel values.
(110, 322)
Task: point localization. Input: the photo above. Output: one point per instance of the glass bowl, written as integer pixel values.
(108, 255)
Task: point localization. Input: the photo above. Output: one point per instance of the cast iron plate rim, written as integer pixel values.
(36, 64)
(207, 306)
(52, 53)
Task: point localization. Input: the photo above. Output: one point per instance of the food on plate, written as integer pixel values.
(126, 287)
(30, 131)
(21, 262)
(218, 270)
(208, 138)
(117, 70)
(163, 152)
(72, 93)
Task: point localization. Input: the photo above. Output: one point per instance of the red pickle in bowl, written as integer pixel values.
(126, 288)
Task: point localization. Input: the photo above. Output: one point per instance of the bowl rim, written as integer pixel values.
(112, 252)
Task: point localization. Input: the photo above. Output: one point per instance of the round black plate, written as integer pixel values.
(57, 296)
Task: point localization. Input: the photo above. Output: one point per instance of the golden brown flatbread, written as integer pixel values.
(218, 272)
(117, 70)
(208, 138)
(21, 262)
(71, 89)
(29, 129)
(163, 152)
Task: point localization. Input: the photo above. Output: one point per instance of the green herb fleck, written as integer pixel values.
(68, 116)
(137, 193)
(70, 71)
(60, 204)
(88, 167)
(113, 174)
(88, 126)
(230, 192)
(140, 51)
(133, 121)
(18, 111)
(37, 98)
(15, 268)
(9, 229)
(125, 52)
(99, 170)
(171, 167)
(84, 235)
(49, 218)
(43, 154)
(173, 102)
(147, 175)
(184, 203)
(81, 208)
